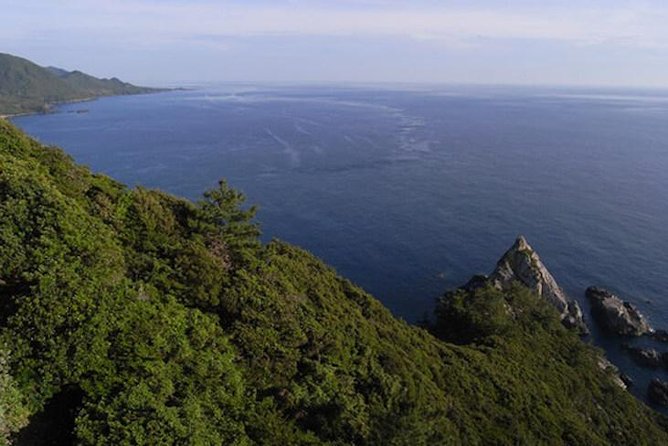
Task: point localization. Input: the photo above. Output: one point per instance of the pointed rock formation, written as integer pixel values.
(522, 264)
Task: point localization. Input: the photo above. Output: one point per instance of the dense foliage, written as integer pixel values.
(13, 414)
(26, 87)
(135, 317)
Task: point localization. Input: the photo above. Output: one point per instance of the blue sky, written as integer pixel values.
(157, 42)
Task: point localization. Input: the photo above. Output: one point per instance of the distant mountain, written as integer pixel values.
(26, 87)
(57, 71)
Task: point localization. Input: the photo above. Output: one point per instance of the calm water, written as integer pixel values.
(410, 191)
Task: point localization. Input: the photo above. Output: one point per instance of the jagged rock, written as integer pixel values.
(647, 357)
(522, 264)
(605, 365)
(573, 317)
(616, 315)
(660, 335)
(658, 392)
(626, 379)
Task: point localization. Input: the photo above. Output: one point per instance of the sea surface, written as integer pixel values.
(407, 190)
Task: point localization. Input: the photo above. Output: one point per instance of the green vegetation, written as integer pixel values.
(13, 414)
(135, 317)
(27, 88)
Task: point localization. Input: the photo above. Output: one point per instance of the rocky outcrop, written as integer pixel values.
(615, 315)
(618, 378)
(660, 335)
(626, 379)
(658, 392)
(646, 357)
(522, 264)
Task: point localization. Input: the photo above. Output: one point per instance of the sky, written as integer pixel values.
(168, 42)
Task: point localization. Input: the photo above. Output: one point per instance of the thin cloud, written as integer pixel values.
(625, 26)
(602, 42)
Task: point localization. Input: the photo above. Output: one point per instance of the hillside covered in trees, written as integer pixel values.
(26, 87)
(130, 316)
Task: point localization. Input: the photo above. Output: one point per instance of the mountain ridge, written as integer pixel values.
(26, 87)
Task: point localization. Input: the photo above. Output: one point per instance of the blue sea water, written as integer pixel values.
(408, 191)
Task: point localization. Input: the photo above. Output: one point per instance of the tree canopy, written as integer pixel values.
(130, 317)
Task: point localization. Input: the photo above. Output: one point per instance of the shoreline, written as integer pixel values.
(15, 115)
(51, 106)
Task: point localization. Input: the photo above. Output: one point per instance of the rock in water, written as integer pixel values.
(660, 335)
(522, 264)
(658, 392)
(616, 315)
(646, 357)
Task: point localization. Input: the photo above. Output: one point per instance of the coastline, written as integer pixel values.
(49, 108)
(18, 114)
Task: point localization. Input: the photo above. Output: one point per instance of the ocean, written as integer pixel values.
(410, 190)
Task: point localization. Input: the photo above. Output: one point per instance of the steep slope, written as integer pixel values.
(26, 87)
(135, 317)
(521, 263)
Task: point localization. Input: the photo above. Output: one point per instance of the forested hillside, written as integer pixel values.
(26, 87)
(130, 316)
